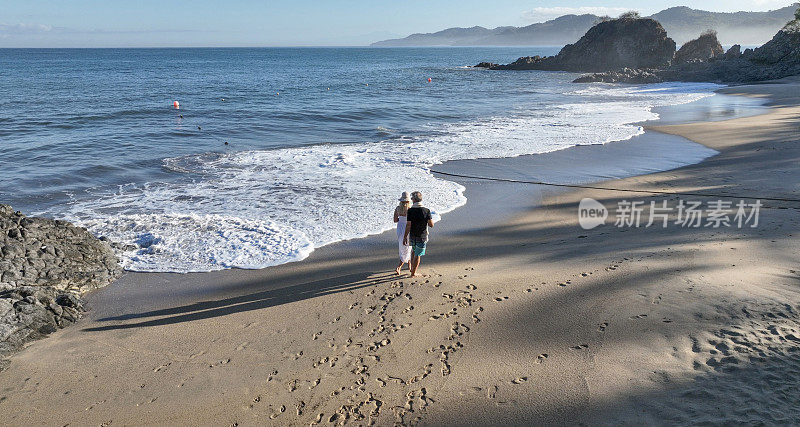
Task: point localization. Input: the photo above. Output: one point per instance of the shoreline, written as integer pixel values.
(724, 107)
(530, 319)
(649, 152)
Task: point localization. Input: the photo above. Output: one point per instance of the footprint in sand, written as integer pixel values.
(639, 316)
(162, 367)
(491, 392)
(541, 357)
(602, 327)
(220, 363)
(519, 380)
(242, 346)
(281, 410)
(499, 299)
(579, 347)
(198, 354)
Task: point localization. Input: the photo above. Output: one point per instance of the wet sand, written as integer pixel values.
(521, 316)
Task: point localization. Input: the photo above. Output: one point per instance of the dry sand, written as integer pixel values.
(531, 321)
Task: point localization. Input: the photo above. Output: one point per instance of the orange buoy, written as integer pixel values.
(176, 104)
(429, 79)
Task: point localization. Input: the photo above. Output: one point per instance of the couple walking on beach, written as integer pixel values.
(412, 221)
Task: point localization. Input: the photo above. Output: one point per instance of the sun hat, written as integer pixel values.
(404, 197)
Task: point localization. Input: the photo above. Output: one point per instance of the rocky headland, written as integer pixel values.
(45, 267)
(610, 45)
(637, 50)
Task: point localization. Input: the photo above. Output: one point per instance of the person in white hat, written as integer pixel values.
(400, 216)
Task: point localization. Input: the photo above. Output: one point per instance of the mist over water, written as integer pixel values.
(320, 141)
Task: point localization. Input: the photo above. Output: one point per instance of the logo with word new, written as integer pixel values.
(591, 214)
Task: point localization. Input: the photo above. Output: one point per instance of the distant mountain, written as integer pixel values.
(747, 28)
(682, 24)
(557, 32)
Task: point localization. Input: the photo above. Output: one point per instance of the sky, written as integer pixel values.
(168, 23)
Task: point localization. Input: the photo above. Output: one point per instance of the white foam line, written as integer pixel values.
(254, 209)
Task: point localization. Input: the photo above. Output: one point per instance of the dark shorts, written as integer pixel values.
(418, 246)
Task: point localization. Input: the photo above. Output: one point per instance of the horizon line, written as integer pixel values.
(276, 47)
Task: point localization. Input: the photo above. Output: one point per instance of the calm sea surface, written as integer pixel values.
(320, 141)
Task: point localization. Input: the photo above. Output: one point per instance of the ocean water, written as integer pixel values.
(321, 142)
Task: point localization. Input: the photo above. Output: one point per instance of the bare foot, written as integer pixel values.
(397, 270)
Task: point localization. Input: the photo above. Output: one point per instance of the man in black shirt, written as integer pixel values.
(417, 223)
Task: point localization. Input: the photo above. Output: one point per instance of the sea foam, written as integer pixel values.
(254, 209)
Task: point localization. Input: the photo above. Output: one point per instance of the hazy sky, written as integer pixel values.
(114, 23)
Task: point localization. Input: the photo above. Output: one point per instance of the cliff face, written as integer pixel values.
(609, 45)
(702, 48)
(782, 51)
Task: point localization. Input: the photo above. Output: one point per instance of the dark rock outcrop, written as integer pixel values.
(45, 265)
(29, 313)
(625, 75)
(702, 48)
(485, 65)
(524, 63)
(609, 45)
(776, 59)
(734, 52)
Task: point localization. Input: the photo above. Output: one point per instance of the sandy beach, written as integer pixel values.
(523, 318)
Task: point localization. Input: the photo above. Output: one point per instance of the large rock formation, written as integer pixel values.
(635, 50)
(776, 59)
(702, 48)
(627, 42)
(45, 265)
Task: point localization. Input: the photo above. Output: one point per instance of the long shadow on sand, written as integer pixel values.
(254, 301)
